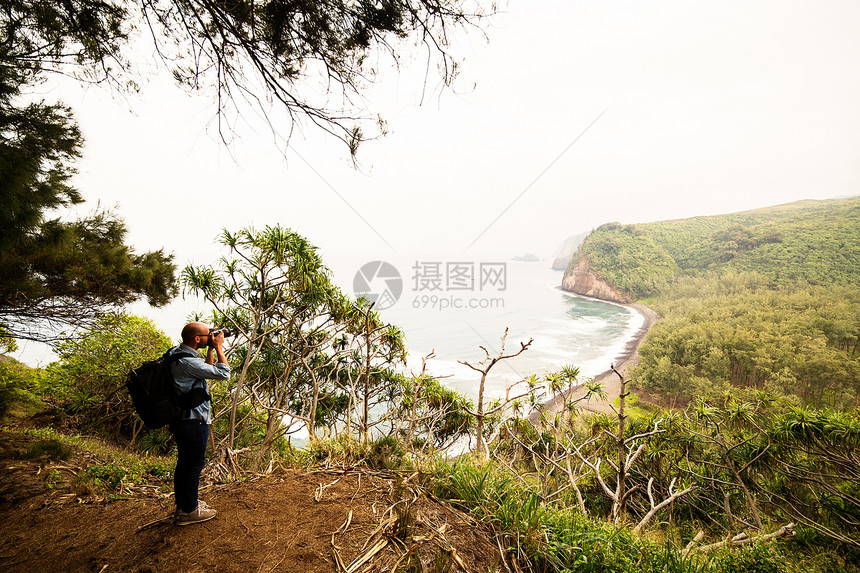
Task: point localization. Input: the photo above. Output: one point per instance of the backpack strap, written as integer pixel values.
(171, 358)
(196, 395)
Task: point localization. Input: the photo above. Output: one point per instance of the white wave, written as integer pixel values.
(590, 341)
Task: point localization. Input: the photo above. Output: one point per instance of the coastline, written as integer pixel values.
(624, 363)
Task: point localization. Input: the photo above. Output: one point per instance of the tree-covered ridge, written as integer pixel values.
(811, 241)
(765, 299)
(817, 242)
(628, 258)
(731, 330)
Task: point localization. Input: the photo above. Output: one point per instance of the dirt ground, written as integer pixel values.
(309, 520)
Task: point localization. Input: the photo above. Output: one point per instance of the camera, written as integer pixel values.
(226, 331)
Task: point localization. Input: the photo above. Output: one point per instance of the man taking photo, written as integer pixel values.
(191, 431)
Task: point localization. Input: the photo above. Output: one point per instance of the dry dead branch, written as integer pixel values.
(484, 368)
(739, 539)
(673, 495)
(321, 488)
(394, 539)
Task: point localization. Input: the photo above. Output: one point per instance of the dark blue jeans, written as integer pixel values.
(191, 438)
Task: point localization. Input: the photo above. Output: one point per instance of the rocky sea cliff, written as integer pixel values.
(580, 280)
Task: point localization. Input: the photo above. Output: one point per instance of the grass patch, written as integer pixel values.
(113, 468)
(50, 449)
(385, 452)
(553, 539)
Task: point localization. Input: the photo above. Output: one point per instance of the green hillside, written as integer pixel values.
(627, 257)
(767, 300)
(815, 242)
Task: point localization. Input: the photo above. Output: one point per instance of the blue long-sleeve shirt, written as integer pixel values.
(191, 371)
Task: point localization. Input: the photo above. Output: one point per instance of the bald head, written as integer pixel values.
(192, 330)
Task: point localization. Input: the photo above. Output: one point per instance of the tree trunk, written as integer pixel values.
(479, 419)
(621, 487)
(367, 360)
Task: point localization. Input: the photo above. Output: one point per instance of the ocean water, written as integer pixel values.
(566, 329)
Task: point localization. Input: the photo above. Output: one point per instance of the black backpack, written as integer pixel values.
(154, 397)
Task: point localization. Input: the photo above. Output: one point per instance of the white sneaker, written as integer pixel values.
(200, 503)
(200, 514)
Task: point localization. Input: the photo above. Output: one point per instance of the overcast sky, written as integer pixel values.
(708, 107)
(681, 108)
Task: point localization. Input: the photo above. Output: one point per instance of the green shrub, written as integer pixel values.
(91, 371)
(19, 387)
(754, 559)
(114, 466)
(114, 474)
(107, 476)
(386, 453)
(157, 442)
(51, 449)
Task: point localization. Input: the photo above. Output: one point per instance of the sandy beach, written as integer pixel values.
(624, 363)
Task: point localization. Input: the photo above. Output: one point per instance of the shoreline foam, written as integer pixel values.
(623, 363)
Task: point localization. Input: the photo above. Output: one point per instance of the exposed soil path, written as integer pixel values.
(307, 520)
